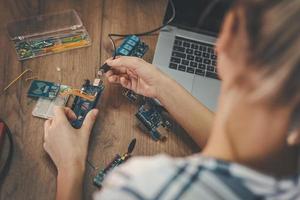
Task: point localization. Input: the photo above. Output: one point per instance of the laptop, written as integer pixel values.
(185, 48)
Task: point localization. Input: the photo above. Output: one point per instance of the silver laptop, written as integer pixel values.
(185, 48)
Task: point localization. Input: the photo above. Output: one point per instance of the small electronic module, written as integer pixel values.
(132, 46)
(51, 94)
(152, 120)
(85, 100)
(118, 159)
(43, 89)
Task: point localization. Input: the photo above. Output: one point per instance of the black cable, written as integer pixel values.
(104, 68)
(111, 35)
(7, 164)
(153, 30)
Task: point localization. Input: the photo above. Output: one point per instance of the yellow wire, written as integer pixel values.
(12, 82)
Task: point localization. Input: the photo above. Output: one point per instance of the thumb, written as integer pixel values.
(89, 121)
(294, 138)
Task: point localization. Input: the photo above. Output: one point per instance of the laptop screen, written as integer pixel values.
(189, 15)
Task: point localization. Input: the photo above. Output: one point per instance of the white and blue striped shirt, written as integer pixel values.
(196, 177)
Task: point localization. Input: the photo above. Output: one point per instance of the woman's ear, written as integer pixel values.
(226, 33)
(294, 137)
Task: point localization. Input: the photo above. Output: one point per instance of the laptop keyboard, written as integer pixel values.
(194, 57)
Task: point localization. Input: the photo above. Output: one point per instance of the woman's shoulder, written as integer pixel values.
(141, 176)
(165, 177)
(141, 168)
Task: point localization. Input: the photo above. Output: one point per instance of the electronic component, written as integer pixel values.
(81, 105)
(103, 69)
(44, 107)
(118, 159)
(43, 89)
(32, 48)
(152, 120)
(131, 95)
(131, 46)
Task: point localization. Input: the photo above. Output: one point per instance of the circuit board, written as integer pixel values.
(132, 46)
(81, 105)
(43, 89)
(152, 120)
(36, 47)
(118, 160)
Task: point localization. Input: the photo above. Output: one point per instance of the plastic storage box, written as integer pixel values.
(48, 34)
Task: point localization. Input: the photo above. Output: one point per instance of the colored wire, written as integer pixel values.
(15, 80)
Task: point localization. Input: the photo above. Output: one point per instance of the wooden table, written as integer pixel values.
(33, 175)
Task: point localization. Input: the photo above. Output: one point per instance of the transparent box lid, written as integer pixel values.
(44, 25)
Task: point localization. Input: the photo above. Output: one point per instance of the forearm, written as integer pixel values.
(194, 117)
(69, 184)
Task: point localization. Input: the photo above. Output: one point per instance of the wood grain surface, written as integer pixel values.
(33, 175)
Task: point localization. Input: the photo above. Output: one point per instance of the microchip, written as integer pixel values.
(43, 89)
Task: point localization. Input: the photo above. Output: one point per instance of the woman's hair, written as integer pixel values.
(273, 31)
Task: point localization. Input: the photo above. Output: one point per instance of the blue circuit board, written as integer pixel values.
(151, 118)
(99, 178)
(82, 106)
(43, 89)
(132, 46)
(118, 160)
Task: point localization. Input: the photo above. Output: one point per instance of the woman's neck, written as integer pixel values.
(252, 135)
(280, 164)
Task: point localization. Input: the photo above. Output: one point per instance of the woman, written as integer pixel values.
(253, 130)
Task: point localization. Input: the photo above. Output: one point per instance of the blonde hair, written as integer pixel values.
(273, 32)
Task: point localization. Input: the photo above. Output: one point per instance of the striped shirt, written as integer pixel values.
(195, 177)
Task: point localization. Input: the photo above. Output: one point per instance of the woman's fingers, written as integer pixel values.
(59, 114)
(131, 74)
(124, 62)
(89, 121)
(109, 73)
(134, 83)
(294, 138)
(47, 124)
(125, 82)
(70, 114)
(114, 79)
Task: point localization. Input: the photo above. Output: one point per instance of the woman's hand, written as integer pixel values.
(67, 146)
(294, 137)
(68, 149)
(136, 74)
